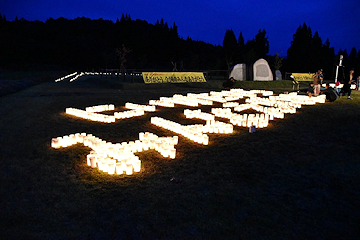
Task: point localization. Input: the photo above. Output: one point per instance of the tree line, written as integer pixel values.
(83, 44)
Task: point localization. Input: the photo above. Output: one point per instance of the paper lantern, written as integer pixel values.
(55, 143)
(88, 159)
(136, 164)
(129, 167)
(111, 166)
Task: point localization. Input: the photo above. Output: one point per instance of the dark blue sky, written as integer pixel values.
(338, 20)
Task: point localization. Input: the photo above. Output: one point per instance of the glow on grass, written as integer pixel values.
(92, 113)
(119, 158)
(134, 106)
(198, 114)
(193, 135)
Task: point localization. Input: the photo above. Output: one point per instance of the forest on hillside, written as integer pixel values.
(83, 44)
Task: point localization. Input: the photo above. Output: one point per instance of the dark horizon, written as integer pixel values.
(85, 44)
(209, 21)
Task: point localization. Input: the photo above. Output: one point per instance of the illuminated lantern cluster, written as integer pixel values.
(67, 76)
(90, 115)
(333, 85)
(162, 103)
(197, 95)
(100, 108)
(191, 99)
(199, 98)
(235, 94)
(245, 120)
(165, 145)
(300, 99)
(213, 126)
(72, 76)
(146, 108)
(204, 101)
(128, 114)
(233, 98)
(92, 73)
(222, 112)
(273, 112)
(262, 92)
(189, 133)
(76, 77)
(198, 114)
(320, 99)
(275, 102)
(249, 120)
(183, 100)
(118, 158)
(230, 104)
(67, 140)
(243, 107)
(286, 109)
(261, 101)
(214, 98)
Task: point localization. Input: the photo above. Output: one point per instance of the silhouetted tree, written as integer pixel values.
(316, 50)
(256, 48)
(327, 60)
(261, 45)
(122, 52)
(352, 58)
(277, 61)
(357, 66)
(84, 44)
(241, 49)
(300, 52)
(229, 47)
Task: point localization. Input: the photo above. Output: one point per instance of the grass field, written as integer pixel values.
(296, 179)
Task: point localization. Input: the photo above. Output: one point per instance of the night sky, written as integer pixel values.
(208, 20)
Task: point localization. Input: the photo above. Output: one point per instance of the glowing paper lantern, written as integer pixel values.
(112, 166)
(129, 167)
(136, 164)
(120, 168)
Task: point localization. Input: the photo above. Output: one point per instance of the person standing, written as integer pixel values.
(347, 84)
(318, 78)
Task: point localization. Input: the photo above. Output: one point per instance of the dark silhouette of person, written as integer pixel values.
(229, 83)
(331, 94)
(347, 84)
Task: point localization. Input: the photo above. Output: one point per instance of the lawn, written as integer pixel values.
(296, 179)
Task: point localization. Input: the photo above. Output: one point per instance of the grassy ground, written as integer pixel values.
(297, 179)
(14, 81)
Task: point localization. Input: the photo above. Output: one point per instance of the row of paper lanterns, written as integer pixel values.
(65, 77)
(92, 113)
(183, 130)
(118, 158)
(74, 76)
(333, 85)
